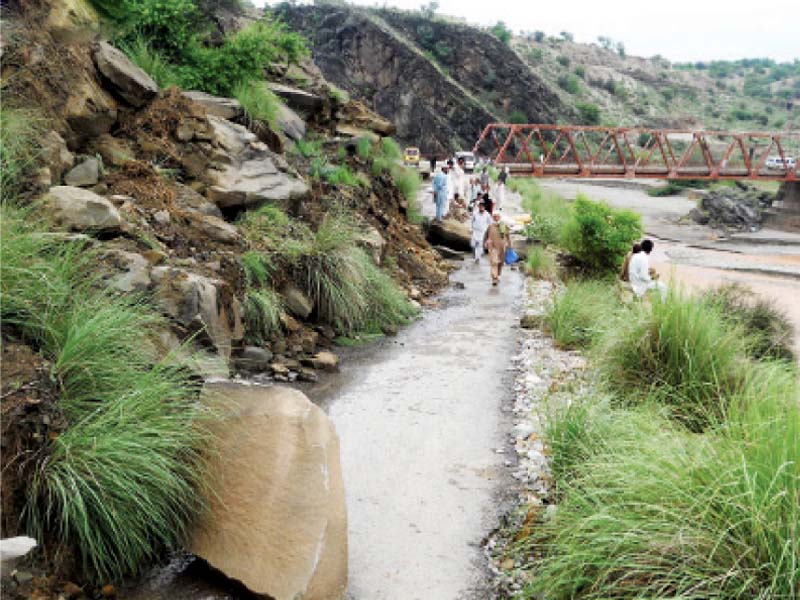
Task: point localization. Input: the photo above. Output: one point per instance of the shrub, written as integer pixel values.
(518, 116)
(20, 131)
(120, 483)
(589, 113)
(308, 148)
(563, 60)
(768, 329)
(267, 222)
(579, 312)
(549, 214)
(580, 71)
(501, 32)
(364, 148)
(569, 83)
(541, 264)
(258, 101)
(680, 353)
(152, 62)
(599, 235)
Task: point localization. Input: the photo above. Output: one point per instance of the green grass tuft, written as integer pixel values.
(258, 101)
(262, 314)
(541, 264)
(258, 268)
(152, 62)
(579, 313)
(20, 132)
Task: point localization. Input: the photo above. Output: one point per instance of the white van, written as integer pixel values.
(776, 163)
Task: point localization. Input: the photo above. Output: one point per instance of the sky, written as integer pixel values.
(679, 30)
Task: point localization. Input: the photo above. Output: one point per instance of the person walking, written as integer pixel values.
(440, 193)
(501, 187)
(639, 273)
(496, 240)
(480, 223)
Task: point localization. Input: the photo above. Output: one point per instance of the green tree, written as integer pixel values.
(589, 113)
(501, 32)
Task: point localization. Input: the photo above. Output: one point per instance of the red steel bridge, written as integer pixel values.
(614, 152)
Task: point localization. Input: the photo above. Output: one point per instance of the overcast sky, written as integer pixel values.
(680, 30)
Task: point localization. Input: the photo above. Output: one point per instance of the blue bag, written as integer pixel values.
(511, 256)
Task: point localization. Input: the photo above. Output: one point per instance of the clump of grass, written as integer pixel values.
(267, 222)
(679, 352)
(541, 264)
(120, 483)
(258, 268)
(650, 510)
(550, 214)
(20, 131)
(580, 312)
(308, 148)
(364, 148)
(152, 62)
(768, 329)
(262, 314)
(258, 101)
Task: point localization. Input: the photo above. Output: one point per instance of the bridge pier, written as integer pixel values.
(785, 211)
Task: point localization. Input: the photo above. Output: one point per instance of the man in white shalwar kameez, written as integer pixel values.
(639, 273)
(481, 219)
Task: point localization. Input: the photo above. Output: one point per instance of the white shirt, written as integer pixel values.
(639, 273)
(480, 223)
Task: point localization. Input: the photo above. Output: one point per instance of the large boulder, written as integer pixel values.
(297, 302)
(290, 123)
(132, 270)
(276, 518)
(199, 303)
(450, 233)
(81, 210)
(249, 175)
(224, 108)
(297, 98)
(90, 111)
(217, 229)
(56, 155)
(129, 82)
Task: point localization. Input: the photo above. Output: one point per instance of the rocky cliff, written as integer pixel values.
(439, 82)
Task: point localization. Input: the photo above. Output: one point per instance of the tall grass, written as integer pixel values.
(540, 264)
(152, 62)
(262, 314)
(678, 352)
(258, 101)
(649, 510)
(579, 313)
(550, 214)
(120, 483)
(20, 131)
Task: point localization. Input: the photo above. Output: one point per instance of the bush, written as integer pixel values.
(570, 83)
(769, 331)
(549, 214)
(152, 62)
(579, 312)
(120, 483)
(651, 511)
(599, 235)
(308, 148)
(541, 264)
(589, 113)
(563, 60)
(501, 32)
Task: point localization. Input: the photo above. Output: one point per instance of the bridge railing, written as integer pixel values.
(608, 152)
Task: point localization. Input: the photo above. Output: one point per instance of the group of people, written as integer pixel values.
(636, 270)
(489, 233)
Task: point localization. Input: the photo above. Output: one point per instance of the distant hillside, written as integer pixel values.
(439, 82)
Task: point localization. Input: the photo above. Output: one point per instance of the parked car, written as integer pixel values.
(469, 160)
(776, 163)
(411, 156)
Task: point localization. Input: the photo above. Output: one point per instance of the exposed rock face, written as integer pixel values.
(85, 174)
(379, 57)
(277, 519)
(130, 82)
(197, 302)
(296, 98)
(249, 176)
(134, 271)
(224, 108)
(733, 208)
(450, 233)
(290, 123)
(82, 210)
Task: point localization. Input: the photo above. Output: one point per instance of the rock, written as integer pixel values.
(90, 111)
(297, 98)
(154, 257)
(114, 151)
(197, 302)
(307, 375)
(250, 175)
(531, 321)
(224, 108)
(135, 270)
(372, 241)
(130, 82)
(218, 230)
(196, 202)
(72, 590)
(450, 233)
(325, 361)
(278, 368)
(276, 518)
(356, 132)
(254, 359)
(84, 174)
(297, 302)
(56, 155)
(82, 210)
(42, 179)
(162, 217)
(447, 253)
(108, 591)
(290, 123)
(361, 116)
(734, 208)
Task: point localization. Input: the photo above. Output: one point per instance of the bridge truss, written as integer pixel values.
(613, 152)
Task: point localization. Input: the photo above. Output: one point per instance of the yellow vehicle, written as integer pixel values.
(411, 156)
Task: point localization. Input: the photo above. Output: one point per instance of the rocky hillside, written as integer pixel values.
(439, 82)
